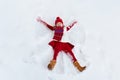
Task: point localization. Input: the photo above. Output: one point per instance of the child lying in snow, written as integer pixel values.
(60, 42)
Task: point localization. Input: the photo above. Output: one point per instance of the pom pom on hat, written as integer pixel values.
(58, 19)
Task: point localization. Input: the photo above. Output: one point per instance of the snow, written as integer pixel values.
(24, 50)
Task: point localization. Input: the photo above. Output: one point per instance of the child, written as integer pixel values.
(60, 42)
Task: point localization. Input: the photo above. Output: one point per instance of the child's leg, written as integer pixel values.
(53, 61)
(55, 54)
(75, 62)
(72, 55)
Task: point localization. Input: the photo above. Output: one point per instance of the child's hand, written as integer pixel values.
(39, 19)
(74, 22)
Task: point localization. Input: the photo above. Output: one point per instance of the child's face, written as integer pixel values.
(59, 24)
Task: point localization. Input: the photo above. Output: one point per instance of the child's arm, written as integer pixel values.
(70, 26)
(46, 24)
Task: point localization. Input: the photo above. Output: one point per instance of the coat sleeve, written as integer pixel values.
(70, 26)
(48, 26)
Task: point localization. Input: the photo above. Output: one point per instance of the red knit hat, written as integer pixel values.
(58, 19)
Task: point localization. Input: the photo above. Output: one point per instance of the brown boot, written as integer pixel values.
(51, 64)
(77, 65)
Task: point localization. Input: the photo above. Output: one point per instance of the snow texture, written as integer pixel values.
(24, 49)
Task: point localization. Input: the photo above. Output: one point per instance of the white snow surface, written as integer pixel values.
(24, 49)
